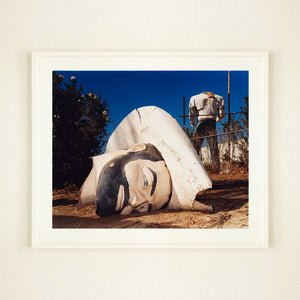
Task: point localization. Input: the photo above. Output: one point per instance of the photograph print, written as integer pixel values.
(150, 149)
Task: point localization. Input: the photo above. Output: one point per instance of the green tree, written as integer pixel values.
(79, 128)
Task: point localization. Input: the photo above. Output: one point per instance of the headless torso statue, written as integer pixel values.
(208, 108)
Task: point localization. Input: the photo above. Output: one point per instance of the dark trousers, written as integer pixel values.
(207, 128)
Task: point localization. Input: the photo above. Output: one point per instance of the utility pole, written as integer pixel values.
(228, 98)
(229, 119)
(184, 127)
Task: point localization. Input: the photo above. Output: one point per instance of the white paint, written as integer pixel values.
(153, 125)
(149, 25)
(121, 197)
(235, 151)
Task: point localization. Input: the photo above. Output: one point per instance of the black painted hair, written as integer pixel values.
(113, 175)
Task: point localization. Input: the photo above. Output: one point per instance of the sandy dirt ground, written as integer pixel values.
(229, 196)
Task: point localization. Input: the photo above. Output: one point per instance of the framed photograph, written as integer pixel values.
(96, 116)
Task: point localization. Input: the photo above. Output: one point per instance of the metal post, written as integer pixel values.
(184, 127)
(228, 98)
(229, 120)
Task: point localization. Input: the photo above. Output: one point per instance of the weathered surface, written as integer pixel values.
(153, 125)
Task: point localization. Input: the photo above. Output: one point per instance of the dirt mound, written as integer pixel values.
(229, 196)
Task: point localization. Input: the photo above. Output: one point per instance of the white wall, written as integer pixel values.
(252, 25)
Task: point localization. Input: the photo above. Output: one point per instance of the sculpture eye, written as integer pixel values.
(145, 182)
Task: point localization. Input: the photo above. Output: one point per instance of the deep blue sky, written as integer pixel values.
(127, 90)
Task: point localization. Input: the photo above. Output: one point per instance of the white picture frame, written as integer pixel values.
(44, 236)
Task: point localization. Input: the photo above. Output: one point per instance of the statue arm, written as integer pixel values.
(221, 114)
(192, 115)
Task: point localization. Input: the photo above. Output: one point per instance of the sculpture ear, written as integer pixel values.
(137, 148)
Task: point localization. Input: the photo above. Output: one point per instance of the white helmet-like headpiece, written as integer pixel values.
(152, 125)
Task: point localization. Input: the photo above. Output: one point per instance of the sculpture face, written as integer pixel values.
(138, 180)
(149, 183)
